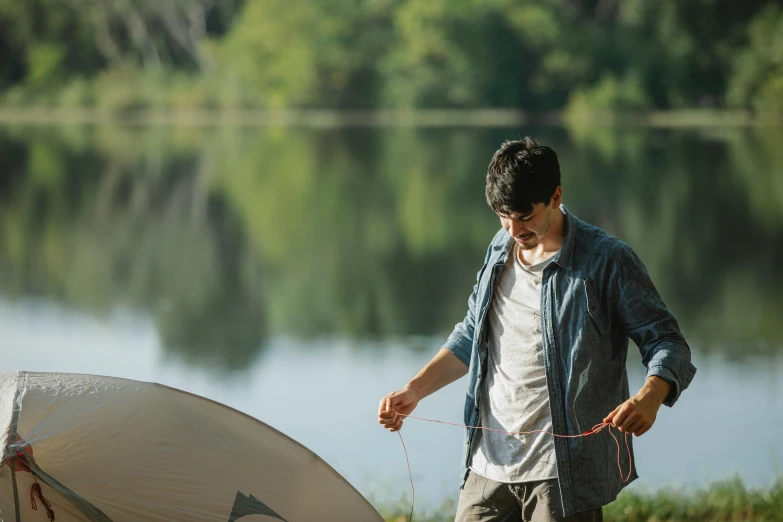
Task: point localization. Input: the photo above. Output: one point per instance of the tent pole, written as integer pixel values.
(14, 426)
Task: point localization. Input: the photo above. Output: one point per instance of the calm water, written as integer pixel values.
(300, 274)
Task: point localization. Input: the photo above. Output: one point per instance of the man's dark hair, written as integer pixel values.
(521, 174)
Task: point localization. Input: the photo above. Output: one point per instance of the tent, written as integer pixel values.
(100, 449)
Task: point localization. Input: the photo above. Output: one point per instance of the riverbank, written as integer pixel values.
(489, 117)
(727, 501)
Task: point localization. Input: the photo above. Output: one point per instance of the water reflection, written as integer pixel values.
(229, 236)
(691, 203)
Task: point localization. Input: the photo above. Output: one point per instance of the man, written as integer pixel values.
(544, 343)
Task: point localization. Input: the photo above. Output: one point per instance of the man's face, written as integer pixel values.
(529, 229)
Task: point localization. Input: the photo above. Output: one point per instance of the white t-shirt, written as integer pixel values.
(515, 395)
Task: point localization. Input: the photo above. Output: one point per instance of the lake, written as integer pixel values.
(299, 274)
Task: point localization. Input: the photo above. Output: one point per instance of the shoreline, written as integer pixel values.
(322, 118)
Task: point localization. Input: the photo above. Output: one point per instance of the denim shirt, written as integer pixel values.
(595, 295)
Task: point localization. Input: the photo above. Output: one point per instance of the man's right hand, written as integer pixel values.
(443, 369)
(402, 401)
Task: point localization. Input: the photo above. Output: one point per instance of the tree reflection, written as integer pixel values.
(226, 236)
(701, 209)
(97, 231)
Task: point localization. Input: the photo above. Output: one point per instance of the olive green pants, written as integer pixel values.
(484, 500)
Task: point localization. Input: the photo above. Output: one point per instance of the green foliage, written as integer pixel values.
(267, 55)
(723, 501)
(478, 54)
(610, 94)
(423, 66)
(353, 54)
(283, 53)
(41, 41)
(45, 64)
(17, 96)
(758, 69)
(120, 91)
(77, 93)
(129, 90)
(727, 501)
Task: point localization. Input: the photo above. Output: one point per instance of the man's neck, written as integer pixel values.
(550, 244)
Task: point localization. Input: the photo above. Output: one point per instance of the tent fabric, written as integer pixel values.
(114, 450)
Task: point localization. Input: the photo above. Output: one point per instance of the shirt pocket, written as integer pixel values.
(594, 309)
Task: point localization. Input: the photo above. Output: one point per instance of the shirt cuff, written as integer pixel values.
(677, 372)
(459, 346)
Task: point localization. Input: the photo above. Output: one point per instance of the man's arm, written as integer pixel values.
(637, 414)
(448, 365)
(652, 326)
(443, 369)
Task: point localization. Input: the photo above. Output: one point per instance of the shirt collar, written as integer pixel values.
(565, 256)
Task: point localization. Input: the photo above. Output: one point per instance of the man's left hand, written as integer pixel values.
(637, 414)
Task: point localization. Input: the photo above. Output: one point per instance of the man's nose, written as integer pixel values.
(516, 228)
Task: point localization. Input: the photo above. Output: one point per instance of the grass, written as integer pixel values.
(728, 501)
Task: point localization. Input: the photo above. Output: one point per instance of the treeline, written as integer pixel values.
(627, 55)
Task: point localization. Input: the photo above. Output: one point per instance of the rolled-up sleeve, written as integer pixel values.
(460, 341)
(652, 326)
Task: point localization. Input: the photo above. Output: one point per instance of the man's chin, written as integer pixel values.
(527, 243)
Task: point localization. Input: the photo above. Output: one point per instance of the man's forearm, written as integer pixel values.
(443, 369)
(655, 388)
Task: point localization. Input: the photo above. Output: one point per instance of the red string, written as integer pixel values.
(410, 475)
(35, 490)
(22, 463)
(595, 429)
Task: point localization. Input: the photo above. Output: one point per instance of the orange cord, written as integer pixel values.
(595, 429)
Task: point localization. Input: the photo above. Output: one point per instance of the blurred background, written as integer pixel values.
(279, 204)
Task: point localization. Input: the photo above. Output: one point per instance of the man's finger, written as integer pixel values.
(619, 418)
(392, 402)
(635, 426)
(610, 417)
(389, 419)
(630, 420)
(642, 431)
(625, 418)
(615, 410)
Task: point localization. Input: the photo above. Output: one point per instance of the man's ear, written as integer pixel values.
(557, 197)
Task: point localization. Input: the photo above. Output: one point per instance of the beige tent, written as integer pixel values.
(105, 449)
